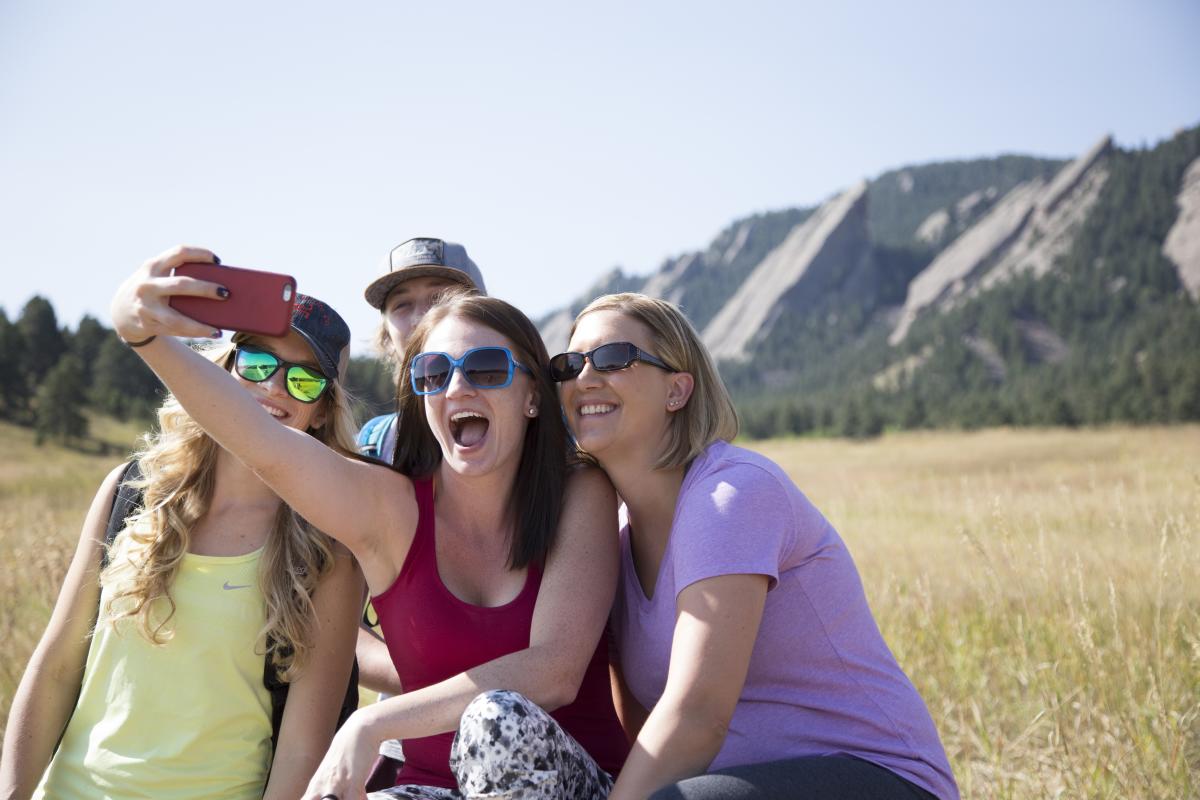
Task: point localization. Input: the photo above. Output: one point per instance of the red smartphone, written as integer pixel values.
(258, 302)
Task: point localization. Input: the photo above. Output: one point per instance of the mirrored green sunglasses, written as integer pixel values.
(306, 384)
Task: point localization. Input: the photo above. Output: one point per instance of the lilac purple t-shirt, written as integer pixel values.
(821, 681)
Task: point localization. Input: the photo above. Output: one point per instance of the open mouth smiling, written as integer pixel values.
(595, 409)
(468, 428)
(274, 411)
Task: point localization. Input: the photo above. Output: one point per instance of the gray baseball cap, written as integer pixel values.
(424, 257)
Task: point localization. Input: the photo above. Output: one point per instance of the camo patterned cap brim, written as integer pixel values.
(420, 258)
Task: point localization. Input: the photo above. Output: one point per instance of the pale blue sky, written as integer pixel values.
(555, 140)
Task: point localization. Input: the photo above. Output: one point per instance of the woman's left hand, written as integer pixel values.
(346, 766)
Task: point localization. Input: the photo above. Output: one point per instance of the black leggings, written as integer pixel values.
(814, 777)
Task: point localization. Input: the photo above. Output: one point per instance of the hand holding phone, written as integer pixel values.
(258, 302)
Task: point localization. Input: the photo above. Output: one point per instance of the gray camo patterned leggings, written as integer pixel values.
(508, 747)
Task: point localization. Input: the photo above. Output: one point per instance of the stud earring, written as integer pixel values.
(532, 412)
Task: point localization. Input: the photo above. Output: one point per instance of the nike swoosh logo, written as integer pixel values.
(227, 586)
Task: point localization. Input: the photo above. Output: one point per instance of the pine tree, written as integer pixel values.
(85, 343)
(122, 384)
(14, 400)
(43, 340)
(59, 400)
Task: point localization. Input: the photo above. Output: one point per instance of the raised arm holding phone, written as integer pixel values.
(480, 522)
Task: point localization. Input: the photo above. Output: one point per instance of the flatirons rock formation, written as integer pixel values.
(944, 223)
(1056, 217)
(1182, 245)
(831, 241)
(947, 276)
(1026, 230)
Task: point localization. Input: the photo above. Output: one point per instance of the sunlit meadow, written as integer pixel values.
(1041, 588)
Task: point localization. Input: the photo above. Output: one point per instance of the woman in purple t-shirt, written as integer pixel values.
(751, 663)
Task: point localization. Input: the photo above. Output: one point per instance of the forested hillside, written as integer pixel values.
(53, 375)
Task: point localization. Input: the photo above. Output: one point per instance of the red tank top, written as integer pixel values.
(433, 635)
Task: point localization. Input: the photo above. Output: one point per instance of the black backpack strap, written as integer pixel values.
(278, 690)
(126, 501)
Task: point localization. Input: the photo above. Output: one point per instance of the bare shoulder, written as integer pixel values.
(384, 524)
(590, 482)
(114, 475)
(392, 509)
(344, 575)
(97, 518)
(589, 513)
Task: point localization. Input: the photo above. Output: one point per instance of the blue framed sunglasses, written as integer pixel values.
(483, 367)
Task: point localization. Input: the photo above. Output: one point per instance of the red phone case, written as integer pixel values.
(258, 302)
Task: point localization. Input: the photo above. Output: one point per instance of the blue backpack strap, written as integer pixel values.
(374, 432)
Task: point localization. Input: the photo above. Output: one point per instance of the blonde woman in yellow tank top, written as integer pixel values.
(164, 697)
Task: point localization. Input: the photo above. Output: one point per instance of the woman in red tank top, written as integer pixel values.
(491, 564)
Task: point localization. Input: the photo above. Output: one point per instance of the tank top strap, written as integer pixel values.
(421, 553)
(423, 489)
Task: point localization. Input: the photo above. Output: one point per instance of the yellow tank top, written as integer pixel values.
(187, 719)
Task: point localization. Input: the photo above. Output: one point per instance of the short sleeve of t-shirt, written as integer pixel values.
(735, 519)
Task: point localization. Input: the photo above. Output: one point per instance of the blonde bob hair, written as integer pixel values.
(709, 415)
(178, 465)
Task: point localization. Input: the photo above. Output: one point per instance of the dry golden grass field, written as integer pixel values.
(1041, 588)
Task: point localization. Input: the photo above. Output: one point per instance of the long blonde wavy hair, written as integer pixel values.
(178, 465)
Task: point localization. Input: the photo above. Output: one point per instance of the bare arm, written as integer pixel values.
(375, 668)
(716, 623)
(49, 688)
(369, 508)
(315, 697)
(630, 712)
(573, 602)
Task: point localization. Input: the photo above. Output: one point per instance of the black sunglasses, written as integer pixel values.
(304, 383)
(605, 358)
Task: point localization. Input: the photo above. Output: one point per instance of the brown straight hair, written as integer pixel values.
(536, 499)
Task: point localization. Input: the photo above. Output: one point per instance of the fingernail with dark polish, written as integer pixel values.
(216, 334)
(222, 292)
(216, 259)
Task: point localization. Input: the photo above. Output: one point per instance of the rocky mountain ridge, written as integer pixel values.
(850, 293)
(1027, 229)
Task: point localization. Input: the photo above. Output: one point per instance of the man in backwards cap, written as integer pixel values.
(416, 272)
